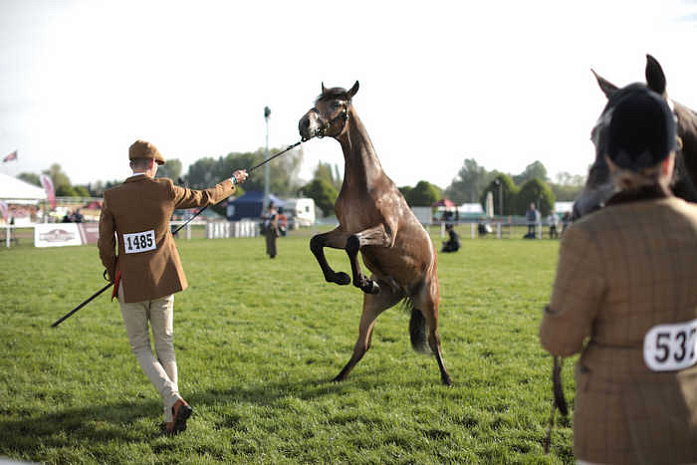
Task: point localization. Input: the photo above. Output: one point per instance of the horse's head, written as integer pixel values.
(329, 115)
(599, 187)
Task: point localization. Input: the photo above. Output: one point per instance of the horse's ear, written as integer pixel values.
(655, 78)
(606, 86)
(353, 90)
(324, 89)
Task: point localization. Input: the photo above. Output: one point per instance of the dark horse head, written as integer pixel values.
(329, 115)
(599, 187)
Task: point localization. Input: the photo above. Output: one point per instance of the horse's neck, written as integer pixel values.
(362, 167)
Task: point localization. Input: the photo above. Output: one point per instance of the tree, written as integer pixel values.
(405, 190)
(501, 186)
(61, 182)
(31, 178)
(283, 171)
(537, 192)
(324, 171)
(81, 191)
(323, 193)
(423, 194)
(534, 170)
(172, 170)
(469, 183)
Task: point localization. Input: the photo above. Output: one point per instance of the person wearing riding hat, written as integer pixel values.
(624, 297)
(271, 232)
(147, 271)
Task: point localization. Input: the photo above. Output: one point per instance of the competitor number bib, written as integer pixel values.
(671, 347)
(139, 242)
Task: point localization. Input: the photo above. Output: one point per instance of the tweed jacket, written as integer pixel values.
(623, 271)
(138, 211)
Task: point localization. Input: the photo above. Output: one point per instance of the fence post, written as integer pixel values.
(498, 230)
(7, 236)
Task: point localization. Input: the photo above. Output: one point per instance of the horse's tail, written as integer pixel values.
(417, 329)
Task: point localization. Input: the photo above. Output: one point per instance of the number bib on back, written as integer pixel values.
(139, 242)
(671, 347)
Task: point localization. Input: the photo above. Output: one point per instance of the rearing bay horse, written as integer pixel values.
(375, 220)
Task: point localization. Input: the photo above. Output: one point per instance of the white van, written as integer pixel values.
(300, 212)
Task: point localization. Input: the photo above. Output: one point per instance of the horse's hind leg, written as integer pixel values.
(335, 239)
(427, 301)
(373, 305)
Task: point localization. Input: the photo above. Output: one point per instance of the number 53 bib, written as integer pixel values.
(671, 347)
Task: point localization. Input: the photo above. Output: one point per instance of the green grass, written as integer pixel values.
(258, 342)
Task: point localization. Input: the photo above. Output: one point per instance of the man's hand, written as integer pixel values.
(240, 176)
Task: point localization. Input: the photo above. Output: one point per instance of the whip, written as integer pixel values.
(93, 296)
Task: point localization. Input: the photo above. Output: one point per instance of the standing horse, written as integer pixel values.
(599, 188)
(375, 220)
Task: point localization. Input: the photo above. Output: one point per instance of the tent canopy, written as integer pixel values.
(250, 205)
(443, 203)
(13, 190)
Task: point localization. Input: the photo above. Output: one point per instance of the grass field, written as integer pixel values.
(257, 342)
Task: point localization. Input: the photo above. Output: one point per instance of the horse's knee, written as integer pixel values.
(316, 244)
(353, 244)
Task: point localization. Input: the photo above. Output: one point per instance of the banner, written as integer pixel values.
(4, 209)
(62, 234)
(56, 235)
(48, 187)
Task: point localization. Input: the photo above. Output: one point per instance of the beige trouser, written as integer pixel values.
(162, 370)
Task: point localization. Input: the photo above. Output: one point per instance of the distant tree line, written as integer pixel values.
(512, 194)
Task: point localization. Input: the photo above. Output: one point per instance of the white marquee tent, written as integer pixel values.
(16, 191)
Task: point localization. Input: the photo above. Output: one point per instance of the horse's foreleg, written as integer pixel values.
(373, 305)
(374, 236)
(335, 239)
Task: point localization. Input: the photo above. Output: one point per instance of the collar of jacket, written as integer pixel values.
(137, 177)
(656, 191)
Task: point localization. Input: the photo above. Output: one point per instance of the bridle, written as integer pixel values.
(342, 116)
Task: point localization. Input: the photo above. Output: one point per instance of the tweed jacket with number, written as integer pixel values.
(622, 271)
(138, 211)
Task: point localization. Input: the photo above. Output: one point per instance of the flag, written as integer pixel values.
(48, 187)
(5, 210)
(10, 157)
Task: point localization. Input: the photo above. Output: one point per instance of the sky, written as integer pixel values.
(506, 83)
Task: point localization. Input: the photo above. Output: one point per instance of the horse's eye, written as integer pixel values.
(336, 105)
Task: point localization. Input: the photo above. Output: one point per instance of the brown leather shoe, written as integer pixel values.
(181, 411)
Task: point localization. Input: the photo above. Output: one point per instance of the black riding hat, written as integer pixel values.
(638, 128)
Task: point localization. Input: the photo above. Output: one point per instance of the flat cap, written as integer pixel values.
(141, 149)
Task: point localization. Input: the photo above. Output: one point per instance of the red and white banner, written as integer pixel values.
(48, 187)
(61, 234)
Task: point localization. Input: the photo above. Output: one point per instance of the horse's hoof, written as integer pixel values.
(337, 379)
(371, 287)
(447, 380)
(342, 279)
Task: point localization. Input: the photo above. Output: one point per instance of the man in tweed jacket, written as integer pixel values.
(625, 296)
(147, 271)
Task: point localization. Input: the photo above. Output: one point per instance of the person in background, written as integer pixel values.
(270, 219)
(553, 222)
(624, 297)
(533, 218)
(453, 242)
(147, 271)
(77, 216)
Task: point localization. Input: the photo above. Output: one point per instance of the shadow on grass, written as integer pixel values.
(97, 424)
